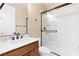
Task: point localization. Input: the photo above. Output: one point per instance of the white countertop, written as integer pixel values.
(14, 44)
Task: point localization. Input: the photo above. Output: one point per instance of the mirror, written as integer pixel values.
(7, 20)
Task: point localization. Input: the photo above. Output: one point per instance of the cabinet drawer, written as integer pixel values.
(22, 50)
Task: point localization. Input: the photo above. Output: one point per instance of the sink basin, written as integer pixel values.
(9, 44)
(18, 41)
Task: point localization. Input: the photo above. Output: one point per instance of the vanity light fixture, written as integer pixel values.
(51, 17)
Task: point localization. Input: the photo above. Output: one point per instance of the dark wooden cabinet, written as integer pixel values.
(27, 50)
(32, 53)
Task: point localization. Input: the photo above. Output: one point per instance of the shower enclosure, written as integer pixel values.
(60, 30)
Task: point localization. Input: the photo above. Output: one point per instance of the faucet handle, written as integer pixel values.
(12, 38)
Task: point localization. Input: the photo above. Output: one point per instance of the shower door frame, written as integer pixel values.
(65, 4)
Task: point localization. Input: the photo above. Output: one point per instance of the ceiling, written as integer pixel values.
(52, 5)
(24, 5)
(20, 5)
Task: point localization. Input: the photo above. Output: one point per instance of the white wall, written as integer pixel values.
(34, 12)
(21, 15)
(7, 20)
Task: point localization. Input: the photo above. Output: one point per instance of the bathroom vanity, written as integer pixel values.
(30, 48)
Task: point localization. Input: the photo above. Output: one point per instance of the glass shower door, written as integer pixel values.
(60, 30)
(49, 31)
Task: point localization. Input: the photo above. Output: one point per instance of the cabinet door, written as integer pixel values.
(33, 53)
(23, 50)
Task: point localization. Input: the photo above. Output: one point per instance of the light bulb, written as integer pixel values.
(51, 17)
